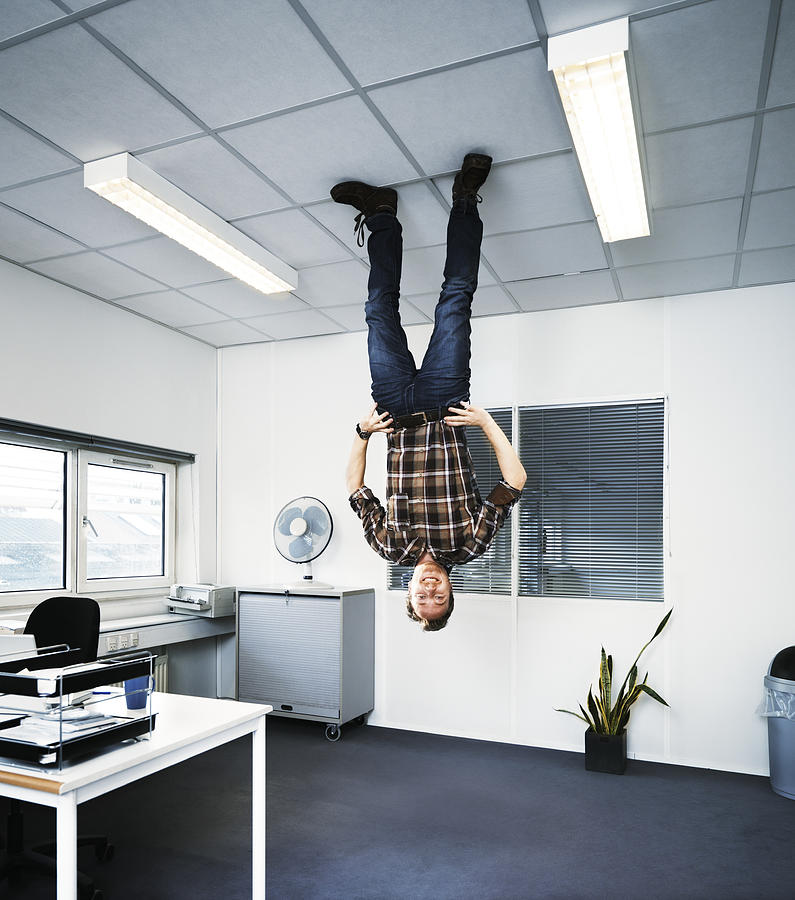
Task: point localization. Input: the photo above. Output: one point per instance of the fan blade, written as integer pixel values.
(317, 519)
(286, 517)
(299, 547)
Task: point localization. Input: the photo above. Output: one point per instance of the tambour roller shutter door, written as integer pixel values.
(289, 652)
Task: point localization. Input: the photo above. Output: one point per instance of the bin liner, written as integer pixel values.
(778, 700)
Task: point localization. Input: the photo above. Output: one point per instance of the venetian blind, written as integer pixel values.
(491, 572)
(591, 517)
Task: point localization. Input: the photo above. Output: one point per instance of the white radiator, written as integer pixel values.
(160, 673)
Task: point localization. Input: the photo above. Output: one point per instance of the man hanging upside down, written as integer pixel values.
(435, 517)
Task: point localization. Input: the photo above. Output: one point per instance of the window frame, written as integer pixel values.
(115, 588)
(515, 563)
(85, 458)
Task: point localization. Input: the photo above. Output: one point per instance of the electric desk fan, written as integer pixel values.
(301, 532)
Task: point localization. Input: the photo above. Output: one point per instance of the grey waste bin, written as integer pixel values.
(780, 684)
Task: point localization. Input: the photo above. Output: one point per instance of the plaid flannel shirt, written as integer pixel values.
(433, 502)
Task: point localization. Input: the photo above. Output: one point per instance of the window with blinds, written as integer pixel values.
(491, 572)
(591, 515)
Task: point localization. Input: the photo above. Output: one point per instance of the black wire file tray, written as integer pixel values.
(50, 715)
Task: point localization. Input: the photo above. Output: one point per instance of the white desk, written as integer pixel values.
(185, 727)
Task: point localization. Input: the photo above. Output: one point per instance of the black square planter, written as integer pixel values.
(605, 752)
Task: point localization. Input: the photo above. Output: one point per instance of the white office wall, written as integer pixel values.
(286, 414)
(70, 361)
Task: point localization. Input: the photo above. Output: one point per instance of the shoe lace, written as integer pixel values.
(358, 229)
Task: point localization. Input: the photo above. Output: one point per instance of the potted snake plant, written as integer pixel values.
(606, 735)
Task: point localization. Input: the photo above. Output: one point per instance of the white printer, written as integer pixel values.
(209, 600)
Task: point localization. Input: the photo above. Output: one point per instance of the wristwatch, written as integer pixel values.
(364, 435)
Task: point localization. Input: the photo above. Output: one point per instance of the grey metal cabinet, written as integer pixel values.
(308, 652)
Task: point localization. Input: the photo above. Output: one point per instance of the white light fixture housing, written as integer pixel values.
(591, 73)
(129, 184)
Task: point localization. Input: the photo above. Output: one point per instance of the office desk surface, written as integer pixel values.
(185, 727)
(181, 721)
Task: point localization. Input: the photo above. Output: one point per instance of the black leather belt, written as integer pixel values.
(414, 420)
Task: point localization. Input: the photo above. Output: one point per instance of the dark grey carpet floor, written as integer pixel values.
(392, 814)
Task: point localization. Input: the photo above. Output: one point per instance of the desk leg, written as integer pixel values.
(258, 812)
(66, 838)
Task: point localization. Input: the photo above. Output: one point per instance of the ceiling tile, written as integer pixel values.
(226, 334)
(306, 323)
(423, 271)
(294, 238)
(771, 220)
(490, 300)
(339, 219)
(96, 274)
(684, 232)
(225, 61)
(698, 63)
(24, 240)
(22, 15)
(505, 107)
(768, 266)
(307, 152)
(23, 156)
(167, 261)
(236, 299)
(775, 167)
(782, 74)
(107, 108)
(171, 308)
(551, 251)
(533, 193)
(215, 177)
(388, 53)
(572, 14)
(65, 204)
(339, 284)
(670, 278)
(706, 163)
(564, 290)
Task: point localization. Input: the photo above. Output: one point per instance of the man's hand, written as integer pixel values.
(371, 421)
(466, 414)
(512, 470)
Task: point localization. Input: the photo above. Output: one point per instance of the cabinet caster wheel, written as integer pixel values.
(333, 733)
(359, 720)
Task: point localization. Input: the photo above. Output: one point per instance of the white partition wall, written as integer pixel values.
(725, 361)
(70, 361)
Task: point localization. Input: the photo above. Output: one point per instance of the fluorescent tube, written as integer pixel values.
(590, 67)
(134, 187)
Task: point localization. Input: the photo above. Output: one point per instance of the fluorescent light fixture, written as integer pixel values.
(590, 67)
(138, 190)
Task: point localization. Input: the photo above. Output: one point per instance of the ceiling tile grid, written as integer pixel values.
(256, 110)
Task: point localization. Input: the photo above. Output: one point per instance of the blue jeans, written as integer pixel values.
(443, 378)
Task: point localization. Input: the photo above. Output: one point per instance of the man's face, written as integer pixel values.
(430, 590)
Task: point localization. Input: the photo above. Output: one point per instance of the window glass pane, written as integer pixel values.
(125, 522)
(32, 524)
(591, 516)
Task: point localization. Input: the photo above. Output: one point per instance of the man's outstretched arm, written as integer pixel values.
(357, 462)
(512, 470)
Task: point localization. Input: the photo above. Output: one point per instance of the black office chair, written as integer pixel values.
(58, 620)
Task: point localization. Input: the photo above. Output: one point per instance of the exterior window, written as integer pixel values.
(591, 516)
(83, 521)
(126, 522)
(491, 572)
(32, 518)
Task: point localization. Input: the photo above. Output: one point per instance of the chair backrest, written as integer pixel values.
(67, 620)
